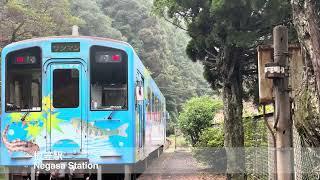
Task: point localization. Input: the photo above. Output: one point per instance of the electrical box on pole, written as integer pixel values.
(265, 54)
(267, 70)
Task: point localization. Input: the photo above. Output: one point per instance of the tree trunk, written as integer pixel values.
(232, 100)
(306, 21)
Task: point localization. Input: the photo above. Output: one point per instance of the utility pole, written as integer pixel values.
(283, 124)
(274, 87)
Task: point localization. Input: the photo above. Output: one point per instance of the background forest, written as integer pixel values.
(160, 45)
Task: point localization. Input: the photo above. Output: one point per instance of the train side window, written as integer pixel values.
(66, 88)
(109, 78)
(23, 80)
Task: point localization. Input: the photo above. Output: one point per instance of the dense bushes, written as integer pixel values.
(196, 116)
(211, 137)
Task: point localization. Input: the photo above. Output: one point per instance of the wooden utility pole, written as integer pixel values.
(283, 124)
(274, 87)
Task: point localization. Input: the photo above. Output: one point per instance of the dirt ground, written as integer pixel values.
(178, 165)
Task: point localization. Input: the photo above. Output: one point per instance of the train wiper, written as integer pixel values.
(13, 107)
(110, 115)
(113, 111)
(24, 116)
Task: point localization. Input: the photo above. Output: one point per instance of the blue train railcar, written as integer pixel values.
(78, 98)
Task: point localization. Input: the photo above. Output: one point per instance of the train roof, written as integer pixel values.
(93, 38)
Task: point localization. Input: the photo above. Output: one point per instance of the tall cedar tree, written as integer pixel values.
(224, 36)
(306, 18)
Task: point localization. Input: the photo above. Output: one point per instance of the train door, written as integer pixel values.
(140, 111)
(66, 92)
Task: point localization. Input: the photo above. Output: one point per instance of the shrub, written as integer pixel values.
(196, 116)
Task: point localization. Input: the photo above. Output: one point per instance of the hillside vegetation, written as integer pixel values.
(160, 45)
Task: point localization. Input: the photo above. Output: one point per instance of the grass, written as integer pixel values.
(179, 140)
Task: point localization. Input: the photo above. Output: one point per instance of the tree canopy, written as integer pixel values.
(160, 45)
(213, 25)
(26, 19)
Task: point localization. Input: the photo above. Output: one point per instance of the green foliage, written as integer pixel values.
(96, 23)
(256, 133)
(178, 141)
(217, 25)
(307, 113)
(33, 18)
(210, 144)
(211, 137)
(197, 115)
(161, 47)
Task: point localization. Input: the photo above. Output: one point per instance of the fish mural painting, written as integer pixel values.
(95, 132)
(18, 145)
(25, 131)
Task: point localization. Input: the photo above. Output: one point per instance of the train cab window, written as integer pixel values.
(23, 80)
(109, 78)
(65, 88)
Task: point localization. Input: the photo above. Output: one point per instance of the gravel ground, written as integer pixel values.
(177, 165)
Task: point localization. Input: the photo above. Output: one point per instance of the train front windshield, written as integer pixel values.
(23, 80)
(109, 79)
